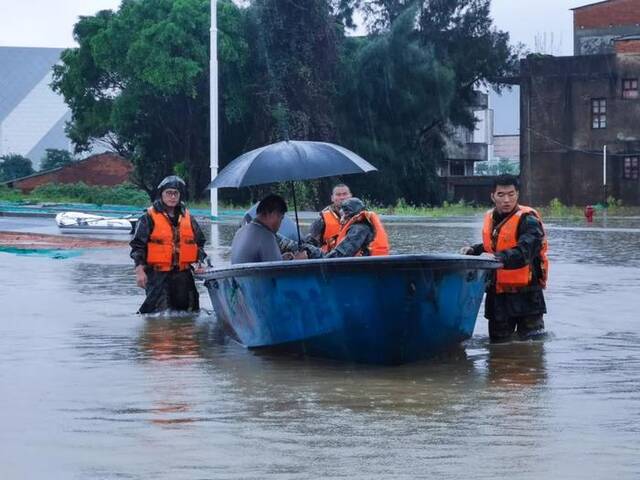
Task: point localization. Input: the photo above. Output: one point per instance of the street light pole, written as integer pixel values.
(213, 104)
(604, 174)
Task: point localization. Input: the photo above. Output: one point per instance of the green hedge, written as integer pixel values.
(124, 194)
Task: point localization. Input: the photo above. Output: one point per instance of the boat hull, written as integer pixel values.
(382, 310)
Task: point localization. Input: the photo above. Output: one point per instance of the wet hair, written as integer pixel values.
(340, 185)
(272, 203)
(505, 180)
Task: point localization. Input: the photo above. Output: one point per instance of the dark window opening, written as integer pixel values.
(630, 170)
(630, 88)
(457, 169)
(598, 113)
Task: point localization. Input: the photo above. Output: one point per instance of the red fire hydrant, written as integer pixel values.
(589, 211)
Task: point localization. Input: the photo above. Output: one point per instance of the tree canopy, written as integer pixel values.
(55, 158)
(139, 81)
(14, 166)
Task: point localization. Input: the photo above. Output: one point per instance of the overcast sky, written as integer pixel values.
(48, 23)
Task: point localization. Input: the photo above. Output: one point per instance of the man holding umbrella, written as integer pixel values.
(290, 161)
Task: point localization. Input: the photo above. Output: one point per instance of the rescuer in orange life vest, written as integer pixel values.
(361, 233)
(514, 234)
(165, 245)
(323, 232)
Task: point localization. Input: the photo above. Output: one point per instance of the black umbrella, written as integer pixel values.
(289, 161)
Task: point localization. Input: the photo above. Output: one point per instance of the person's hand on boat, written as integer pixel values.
(199, 267)
(489, 256)
(466, 251)
(301, 255)
(141, 277)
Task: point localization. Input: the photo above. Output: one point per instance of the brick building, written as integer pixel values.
(597, 25)
(105, 169)
(571, 107)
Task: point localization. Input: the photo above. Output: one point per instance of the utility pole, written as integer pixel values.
(604, 175)
(213, 104)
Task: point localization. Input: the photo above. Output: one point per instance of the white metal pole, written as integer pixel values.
(213, 104)
(604, 173)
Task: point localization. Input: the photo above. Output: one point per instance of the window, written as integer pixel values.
(457, 169)
(630, 88)
(598, 113)
(630, 171)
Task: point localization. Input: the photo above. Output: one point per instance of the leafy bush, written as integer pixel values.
(124, 194)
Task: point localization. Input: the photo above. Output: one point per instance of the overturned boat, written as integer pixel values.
(85, 222)
(381, 310)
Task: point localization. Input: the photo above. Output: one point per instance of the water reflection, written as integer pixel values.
(516, 364)
(170, 338)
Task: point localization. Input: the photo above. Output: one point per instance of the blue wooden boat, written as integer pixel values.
(380, 310)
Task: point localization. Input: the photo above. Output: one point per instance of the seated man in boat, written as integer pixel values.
(324, 231)
(514, 235)
(256, 241)
(286, 236)
(166, 242)
(361, 233)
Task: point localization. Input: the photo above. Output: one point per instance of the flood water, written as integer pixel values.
(90, 390)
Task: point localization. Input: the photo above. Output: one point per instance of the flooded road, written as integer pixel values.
(91, 390)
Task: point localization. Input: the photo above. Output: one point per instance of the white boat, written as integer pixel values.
(78, 221)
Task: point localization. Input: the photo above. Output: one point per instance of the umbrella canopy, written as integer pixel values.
(288, 161)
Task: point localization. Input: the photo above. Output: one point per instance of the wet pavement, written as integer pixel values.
(92, 390)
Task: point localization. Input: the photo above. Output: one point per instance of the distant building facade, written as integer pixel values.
(506, 147)
(571, 107)
(106, 169)
(32, 116)
(462, 151)
(597, 25)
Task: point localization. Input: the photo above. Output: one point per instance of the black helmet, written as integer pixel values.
(352, 206)
(173, 181)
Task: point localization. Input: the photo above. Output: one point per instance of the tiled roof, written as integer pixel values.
(21, 68)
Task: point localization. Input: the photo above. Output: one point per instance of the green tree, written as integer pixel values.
(14, 166)
(406, 86)
(139, 81)
(55, 158)
(294, 65)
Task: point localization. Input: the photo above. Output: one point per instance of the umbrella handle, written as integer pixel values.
(295, 209)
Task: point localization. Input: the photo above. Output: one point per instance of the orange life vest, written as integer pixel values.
(168, 246)
(379, 245)
(331, 229)
(505, 236)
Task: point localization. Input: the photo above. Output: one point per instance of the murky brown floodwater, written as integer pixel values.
(91, 390)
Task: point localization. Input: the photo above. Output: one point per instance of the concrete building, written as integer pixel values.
(463, 150)
(105, 169)
(32, 116)
(571, 107)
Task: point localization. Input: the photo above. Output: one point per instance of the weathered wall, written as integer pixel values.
(561, 154)
(106, 169)
(595, 26)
